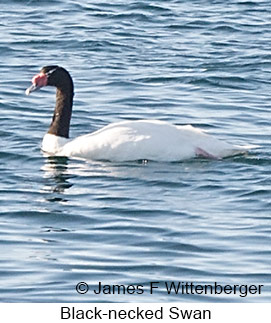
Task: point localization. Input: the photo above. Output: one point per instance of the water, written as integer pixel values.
(63, 221)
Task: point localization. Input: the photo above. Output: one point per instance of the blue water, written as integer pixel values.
(63, 221)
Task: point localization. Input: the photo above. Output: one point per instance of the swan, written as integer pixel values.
(126, 140)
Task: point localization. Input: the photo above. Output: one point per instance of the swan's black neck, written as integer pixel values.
(60, 125)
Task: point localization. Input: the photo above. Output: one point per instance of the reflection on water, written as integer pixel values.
(57, 177)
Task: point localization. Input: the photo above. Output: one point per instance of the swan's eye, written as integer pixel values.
(51, 71)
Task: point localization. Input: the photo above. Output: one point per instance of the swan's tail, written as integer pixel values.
(238, 150)
(226, 152)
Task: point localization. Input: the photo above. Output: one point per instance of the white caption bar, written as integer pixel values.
(132, 312)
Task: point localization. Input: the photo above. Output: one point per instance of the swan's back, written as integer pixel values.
(146, 139)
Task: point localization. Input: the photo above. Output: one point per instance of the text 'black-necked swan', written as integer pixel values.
(122, 141)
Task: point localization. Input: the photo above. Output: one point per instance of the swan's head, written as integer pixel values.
(49, 75)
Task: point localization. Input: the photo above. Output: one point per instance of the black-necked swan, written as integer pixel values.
(122, 141)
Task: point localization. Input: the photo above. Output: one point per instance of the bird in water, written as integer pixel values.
(126, 140)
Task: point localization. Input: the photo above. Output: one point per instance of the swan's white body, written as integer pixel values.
(143, 139)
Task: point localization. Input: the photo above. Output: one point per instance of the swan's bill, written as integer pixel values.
(32, 88)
